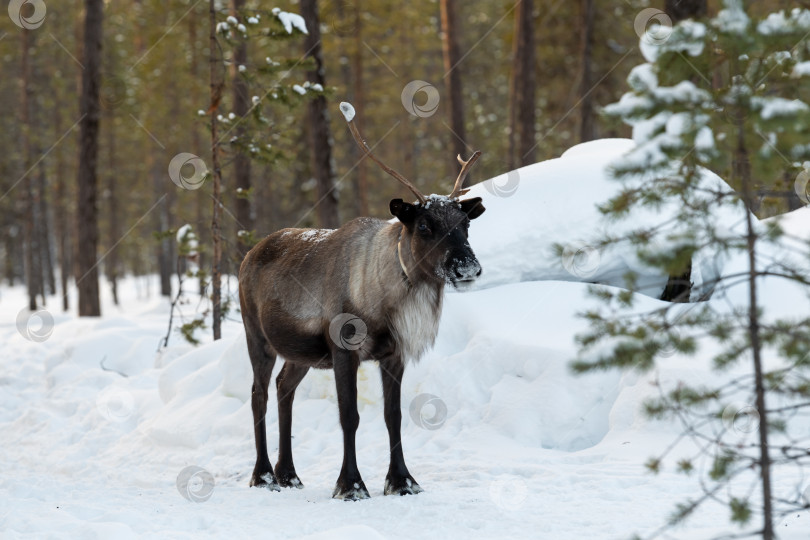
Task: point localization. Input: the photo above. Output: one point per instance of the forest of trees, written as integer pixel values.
(101, 96)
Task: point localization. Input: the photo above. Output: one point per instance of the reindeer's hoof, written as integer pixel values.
(401, 486)
(266, 481)
(354, 491)
(289, 480)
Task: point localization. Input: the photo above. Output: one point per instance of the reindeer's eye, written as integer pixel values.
(423, 228)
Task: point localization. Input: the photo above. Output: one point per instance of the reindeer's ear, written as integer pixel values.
(405, 212)
(472, 207)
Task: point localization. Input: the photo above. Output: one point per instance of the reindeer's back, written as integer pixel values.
(295, 280)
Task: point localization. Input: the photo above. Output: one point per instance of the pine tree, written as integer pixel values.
(717, 96)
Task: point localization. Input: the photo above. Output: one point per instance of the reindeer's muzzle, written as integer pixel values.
(464, 270)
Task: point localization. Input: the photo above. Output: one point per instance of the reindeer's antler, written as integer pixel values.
(348, 114)
(465, 168)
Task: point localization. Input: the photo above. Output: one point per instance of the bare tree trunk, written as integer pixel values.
(409, 141)
(111, 263)
(521, 114)
(452, 76)
(36, 241)
(359, 101)
(29, 236)
(352, 75)
(61, 213)
(199, 195)
(10, 252)
(216, 85)
(43, 223)
(241, 163)
(86, 210)
(160, 225)
(587, 117)
(43, 263)
(320, 140)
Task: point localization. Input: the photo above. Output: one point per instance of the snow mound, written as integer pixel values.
(554, 202)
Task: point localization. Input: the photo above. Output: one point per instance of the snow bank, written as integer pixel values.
(555, 202)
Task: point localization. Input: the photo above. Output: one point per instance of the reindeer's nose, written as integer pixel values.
(467, 269)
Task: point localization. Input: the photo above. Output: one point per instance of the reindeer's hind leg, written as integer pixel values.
(286, 383)
(262, 360)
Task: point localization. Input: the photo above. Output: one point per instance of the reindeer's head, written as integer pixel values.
(434, 236)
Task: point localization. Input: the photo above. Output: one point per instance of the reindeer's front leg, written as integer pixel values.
(398, 481)
(349, 486)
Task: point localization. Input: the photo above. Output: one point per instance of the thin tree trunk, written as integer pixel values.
(46, 258)
(409, 141)
(587, 118)
(742, 172)
(199, 195)
(352, 75)
(452, 76)
(160, 225)
(10, 252)
(61, 213)
(216, 85)
(359, 101)
(36, 244)
(522, 91)
(29, 236)
(200, 215)
(241, 162)
(43, 264)
(86, 210)
(320, 140)
(111, 263)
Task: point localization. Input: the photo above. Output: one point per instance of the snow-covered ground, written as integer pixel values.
(97, 427)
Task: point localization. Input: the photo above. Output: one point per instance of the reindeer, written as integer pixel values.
(329, 299)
